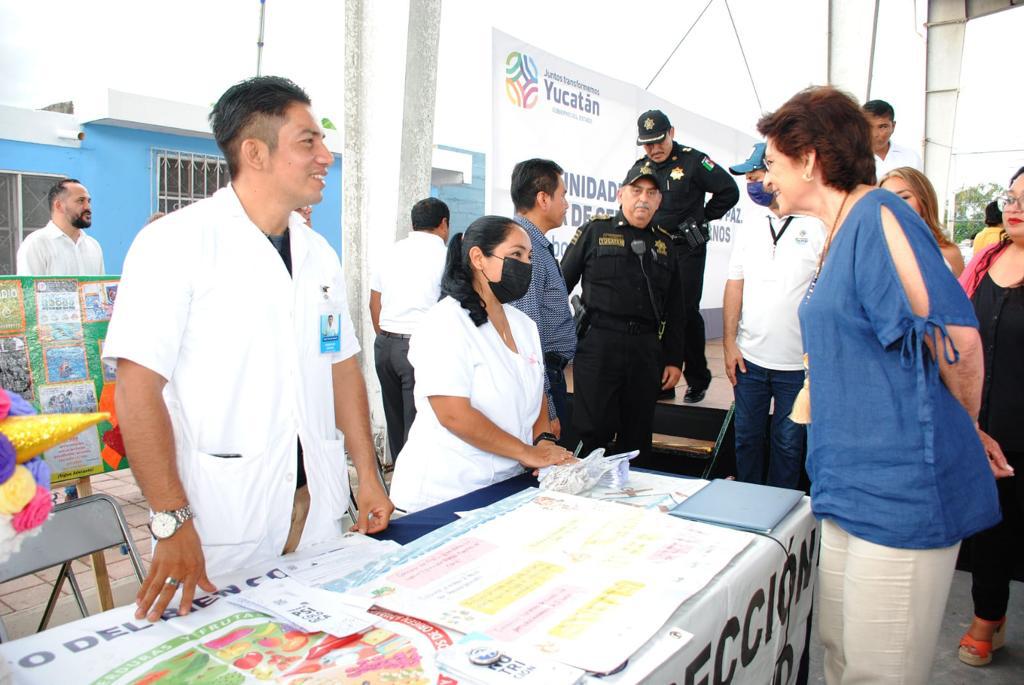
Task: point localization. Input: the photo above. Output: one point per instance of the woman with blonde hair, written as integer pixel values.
(917, 191)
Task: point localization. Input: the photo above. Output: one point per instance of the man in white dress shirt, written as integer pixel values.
(888, 155)
(61, 248)
(406, 283)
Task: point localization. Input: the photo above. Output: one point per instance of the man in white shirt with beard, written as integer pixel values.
(61, 248)
(773, 260)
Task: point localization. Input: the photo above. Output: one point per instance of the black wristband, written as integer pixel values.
(545, 436)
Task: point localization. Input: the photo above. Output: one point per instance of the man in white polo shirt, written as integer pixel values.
(406, 283)
(888, 155)
(773, 260)
(61, 248)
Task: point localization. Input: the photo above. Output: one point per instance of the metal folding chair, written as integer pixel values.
(696, 448)
(76, 529)
(729, 416)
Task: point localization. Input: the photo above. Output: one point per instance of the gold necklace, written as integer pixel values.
(501, 332)
(825, 249)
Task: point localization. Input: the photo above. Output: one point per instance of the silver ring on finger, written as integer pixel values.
(173, 582)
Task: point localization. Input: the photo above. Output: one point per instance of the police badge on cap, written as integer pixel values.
(640, 170)
(652, 126)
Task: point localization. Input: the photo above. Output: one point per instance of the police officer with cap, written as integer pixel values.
(686, 175)
(631, 343)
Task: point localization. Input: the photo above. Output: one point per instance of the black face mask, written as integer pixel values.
(515, 280)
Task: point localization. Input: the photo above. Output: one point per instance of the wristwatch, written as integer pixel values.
(164, 524)
(545, 436)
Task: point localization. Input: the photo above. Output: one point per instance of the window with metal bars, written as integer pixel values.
(23, 209)
(185, 177)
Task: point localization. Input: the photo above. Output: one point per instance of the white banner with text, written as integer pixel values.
(545, 106)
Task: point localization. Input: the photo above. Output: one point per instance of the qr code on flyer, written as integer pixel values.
(308, 614)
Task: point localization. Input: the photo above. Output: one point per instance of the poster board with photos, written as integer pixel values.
(51, 341)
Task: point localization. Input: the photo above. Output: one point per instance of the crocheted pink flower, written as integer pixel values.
(34, 513)
(5, 405)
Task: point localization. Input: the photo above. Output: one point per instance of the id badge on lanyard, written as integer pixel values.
(329, 323)
(773, 273)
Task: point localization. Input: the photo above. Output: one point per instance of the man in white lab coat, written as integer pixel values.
(230, 391)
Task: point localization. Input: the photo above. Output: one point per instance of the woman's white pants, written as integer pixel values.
(880, 608)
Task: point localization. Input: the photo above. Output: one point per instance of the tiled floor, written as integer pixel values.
(719, 395)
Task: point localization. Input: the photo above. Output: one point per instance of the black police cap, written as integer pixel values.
(652, 127)
(641, 169)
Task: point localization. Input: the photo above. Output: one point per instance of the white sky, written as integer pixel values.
(191, 50)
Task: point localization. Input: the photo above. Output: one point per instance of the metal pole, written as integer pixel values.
(871, 62)
(671, 54)
(743, 53)
(259, 41)
(828, 62)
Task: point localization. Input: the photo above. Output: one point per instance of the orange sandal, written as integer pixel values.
(974, 652)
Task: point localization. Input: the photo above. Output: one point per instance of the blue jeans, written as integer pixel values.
(754, 392)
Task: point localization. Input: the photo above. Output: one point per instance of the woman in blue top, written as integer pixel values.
(898, 473)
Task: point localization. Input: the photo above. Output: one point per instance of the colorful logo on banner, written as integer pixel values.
(521, 87)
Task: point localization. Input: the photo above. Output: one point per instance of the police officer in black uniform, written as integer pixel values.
(633, 300)
(686, 175)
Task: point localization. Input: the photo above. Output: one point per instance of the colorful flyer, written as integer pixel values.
(12, 307)
(577, 580)
(67, 398)
(76, 457)
(15, 367)
(65, 364)
(51, 344)
(57, 302)
(218, 643)
(98, 300)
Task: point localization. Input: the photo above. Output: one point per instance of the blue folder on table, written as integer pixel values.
(757, 508)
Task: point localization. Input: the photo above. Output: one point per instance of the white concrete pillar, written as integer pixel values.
(850, 31)
(418, 108)
(353, 188)
(947, 24)
(389, 115)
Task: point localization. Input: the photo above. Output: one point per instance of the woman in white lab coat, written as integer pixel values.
(480, 415)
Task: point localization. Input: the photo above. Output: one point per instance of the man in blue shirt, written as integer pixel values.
(538, 194)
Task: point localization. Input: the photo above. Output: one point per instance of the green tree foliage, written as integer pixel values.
(969, 217)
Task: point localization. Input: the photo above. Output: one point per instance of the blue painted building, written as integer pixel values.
(465, 198)
(138, 155)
